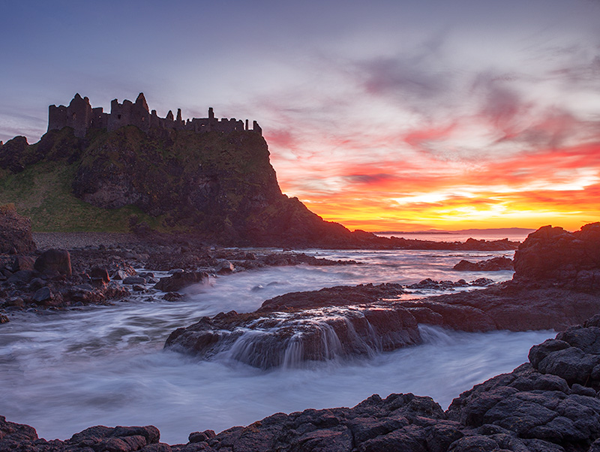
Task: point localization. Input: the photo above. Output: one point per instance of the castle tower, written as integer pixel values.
(140, 113)
(79, 115)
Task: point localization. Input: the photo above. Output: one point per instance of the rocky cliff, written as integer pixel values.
(219, 186)
(565, 259)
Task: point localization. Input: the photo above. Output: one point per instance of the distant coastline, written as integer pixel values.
(461, 231)
(513, 234)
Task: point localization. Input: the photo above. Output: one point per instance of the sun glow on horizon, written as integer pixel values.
(557, 186)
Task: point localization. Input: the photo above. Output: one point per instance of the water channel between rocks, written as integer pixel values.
(63, 372)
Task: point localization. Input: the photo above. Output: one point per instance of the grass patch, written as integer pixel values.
(43, 193)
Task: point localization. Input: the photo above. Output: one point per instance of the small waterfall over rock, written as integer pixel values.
(291, 339)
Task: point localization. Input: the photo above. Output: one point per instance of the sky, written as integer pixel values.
(383, 115)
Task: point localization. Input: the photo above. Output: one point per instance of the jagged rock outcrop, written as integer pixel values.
(207, 178)
(343, 321)
(290, 339)
(554, 256)
(547, 405)
(179, 280)
(15, 232)
(494, 264)
(320, 320)
(122, 439)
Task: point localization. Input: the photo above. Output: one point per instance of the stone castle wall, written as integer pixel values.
(81, 116)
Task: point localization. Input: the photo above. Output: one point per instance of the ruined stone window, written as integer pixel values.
(118, 116)
(74, 116)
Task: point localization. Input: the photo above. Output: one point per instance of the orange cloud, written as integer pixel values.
(526, 190)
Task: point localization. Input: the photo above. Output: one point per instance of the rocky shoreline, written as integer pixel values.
(101, 274)
(556, 292)
(550, 404)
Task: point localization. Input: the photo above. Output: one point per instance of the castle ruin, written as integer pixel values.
(81, 116)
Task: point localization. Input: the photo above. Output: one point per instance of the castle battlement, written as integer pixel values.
(81, 116)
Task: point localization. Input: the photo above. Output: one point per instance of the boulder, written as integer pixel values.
(100, 273)
(23, 263)
(333, 296)
(134, 280)
(15, 232)
(494, 264)
(179, 280)
(224, 268)
(43, 295)
(553, 255)
(54, 261)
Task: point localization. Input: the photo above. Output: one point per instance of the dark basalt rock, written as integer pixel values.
(54, 261)
(217, 186)
(569, 260)
(99, 438)
(332, 296)
(289, 339)
(301, 326)
(134, 280)
(525, 410)
(100, 273)
(494, 264)
(179, 280)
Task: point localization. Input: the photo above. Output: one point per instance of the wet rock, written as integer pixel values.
(36, 283)
(267, 340)
(200, 437)
(134, 280)
(333, 296)
(43, 295)
(224, 267)
(173, 296)
(570, 260)
(494, 264)
(430, 284)
(521, 411)
(509, 306)
(120, 275)
(54, 261)
(179, 280)
(100, 273)
(574, 355)
(16, 302)
(3, 319)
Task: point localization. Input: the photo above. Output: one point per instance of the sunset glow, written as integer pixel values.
(391, 115)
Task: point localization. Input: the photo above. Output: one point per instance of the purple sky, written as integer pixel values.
(336, 85)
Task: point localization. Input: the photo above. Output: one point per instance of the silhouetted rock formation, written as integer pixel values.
(494, 264)
(218, 186)
(205, 177)
(547, 405)
(569, 260)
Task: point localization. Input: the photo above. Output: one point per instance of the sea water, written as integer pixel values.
(65, 371)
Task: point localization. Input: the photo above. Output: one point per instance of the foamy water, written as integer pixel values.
(63, 372)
